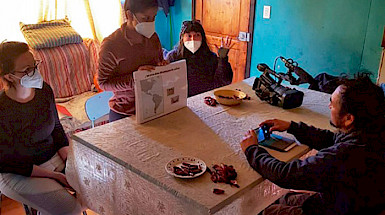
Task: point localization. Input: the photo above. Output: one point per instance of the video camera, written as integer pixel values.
(270, 90)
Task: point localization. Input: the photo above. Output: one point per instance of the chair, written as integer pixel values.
(97, 106)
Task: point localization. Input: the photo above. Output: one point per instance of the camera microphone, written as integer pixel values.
(287, 63)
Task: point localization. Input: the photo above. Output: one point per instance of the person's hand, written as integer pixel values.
(63, 153)
(164, 63)
(147, 67)
(249, 139)
(61, 178)
(276, 124)
(226, 45)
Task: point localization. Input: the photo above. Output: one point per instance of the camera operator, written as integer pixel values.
(347, 174)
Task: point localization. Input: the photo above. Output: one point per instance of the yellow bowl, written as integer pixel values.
(229, 97)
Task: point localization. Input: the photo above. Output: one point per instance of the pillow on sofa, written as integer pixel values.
(66, 69)
(49, 34)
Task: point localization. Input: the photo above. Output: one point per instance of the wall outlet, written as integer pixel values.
(266, 11)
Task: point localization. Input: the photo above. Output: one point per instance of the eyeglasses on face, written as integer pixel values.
(30, 71)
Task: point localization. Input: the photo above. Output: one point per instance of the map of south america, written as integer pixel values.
(152, 93)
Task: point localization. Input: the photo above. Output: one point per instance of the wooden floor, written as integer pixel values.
(11, 207)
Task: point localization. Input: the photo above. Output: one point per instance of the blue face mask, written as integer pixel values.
(34, 81)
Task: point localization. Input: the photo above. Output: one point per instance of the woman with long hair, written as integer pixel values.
(205, 70)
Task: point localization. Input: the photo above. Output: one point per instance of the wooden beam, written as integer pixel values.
(383, 39)
(193, 10)
(250, 43)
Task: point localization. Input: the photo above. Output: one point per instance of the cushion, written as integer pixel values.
(49, 34)
(66, 69)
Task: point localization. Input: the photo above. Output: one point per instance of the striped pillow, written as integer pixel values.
(49, 34)
(66, 69)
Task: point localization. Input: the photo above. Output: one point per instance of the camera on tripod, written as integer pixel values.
(270, 89)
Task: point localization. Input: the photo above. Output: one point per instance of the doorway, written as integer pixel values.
(233, 18)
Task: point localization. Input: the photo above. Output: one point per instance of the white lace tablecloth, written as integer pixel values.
(119, 168)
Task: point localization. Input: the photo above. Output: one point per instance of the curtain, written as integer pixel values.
(90, 18)
(95, 18)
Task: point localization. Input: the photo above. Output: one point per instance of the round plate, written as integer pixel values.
(178, 162)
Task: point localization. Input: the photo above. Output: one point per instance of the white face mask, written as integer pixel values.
(146, 29)
(36, 81)
(192, 45)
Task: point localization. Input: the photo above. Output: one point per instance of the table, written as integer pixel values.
(119, 168)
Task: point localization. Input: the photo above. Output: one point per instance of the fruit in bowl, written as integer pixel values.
(229, 97)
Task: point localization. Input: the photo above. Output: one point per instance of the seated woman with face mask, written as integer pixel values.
(205, 70)
(33, 145)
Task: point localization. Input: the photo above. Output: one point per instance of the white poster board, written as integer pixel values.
(160, 91)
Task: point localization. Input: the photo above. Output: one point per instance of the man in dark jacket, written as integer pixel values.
(347, 174)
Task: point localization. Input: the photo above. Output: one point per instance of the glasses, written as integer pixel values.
(30, 71)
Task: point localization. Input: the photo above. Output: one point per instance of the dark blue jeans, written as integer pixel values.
(113, 116)
(289, 204)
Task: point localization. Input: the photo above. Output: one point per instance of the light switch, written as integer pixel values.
(266, 11)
